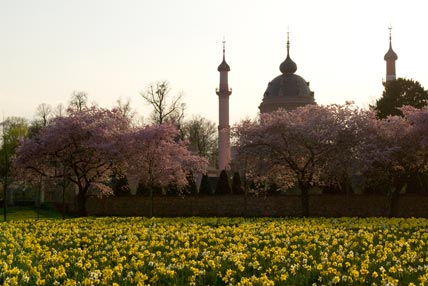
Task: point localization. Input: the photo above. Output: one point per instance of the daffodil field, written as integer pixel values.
(214, 251)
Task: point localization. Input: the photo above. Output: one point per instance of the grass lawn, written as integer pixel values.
(20, 213)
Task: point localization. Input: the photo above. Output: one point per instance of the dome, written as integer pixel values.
(223, 66)
(288, 90)
(288, 66)
(286, 85)
(390, 54)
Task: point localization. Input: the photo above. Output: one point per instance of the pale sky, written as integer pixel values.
(114, 49)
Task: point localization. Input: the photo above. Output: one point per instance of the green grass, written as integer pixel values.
(22, 213)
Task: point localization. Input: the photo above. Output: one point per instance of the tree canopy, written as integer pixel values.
(394, 149)
(157, 158)
(202, 136)
(297, 147)
(398, 93)
(82, 148)
(78, 101)
(14, 129)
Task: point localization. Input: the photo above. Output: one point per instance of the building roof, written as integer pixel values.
(288, 66)
(223, 66)
(390, 54)
(287, 90)
(287, 84)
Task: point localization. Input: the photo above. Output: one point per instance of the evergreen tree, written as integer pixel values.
(223, 185)
(205, 188)
(398, 93)
(237, 187)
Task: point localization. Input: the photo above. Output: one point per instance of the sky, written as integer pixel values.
(115, 49)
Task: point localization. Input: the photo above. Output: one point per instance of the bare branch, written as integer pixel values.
(79, 101)
(44, 111)
(156, 95)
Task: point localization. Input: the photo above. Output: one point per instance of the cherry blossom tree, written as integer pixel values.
(299, 147)
(395, 148)
(157, 158)
(81, 148)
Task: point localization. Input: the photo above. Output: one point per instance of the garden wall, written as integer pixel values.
(326, 205)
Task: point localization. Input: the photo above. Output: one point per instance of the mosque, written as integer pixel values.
(287, 91)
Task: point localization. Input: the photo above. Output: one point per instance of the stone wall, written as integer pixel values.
(325, 205)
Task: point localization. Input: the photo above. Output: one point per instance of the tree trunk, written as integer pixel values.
(393, 206)
(5, 186)
(151, 201)
(63, 200)
(395, 196)
(304, 189)
(81, 203)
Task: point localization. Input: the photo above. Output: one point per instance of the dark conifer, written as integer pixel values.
(223, 185)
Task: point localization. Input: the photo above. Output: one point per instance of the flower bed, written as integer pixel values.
(214, 251)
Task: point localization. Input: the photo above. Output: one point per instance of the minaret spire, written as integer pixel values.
(390, 58)
(288, 66)
(223, 93)
(224, 66)
(224, 49)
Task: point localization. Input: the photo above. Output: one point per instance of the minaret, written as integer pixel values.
(223, 93)
(390, 58)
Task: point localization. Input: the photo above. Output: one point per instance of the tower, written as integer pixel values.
(390, 58)
(223, 93)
